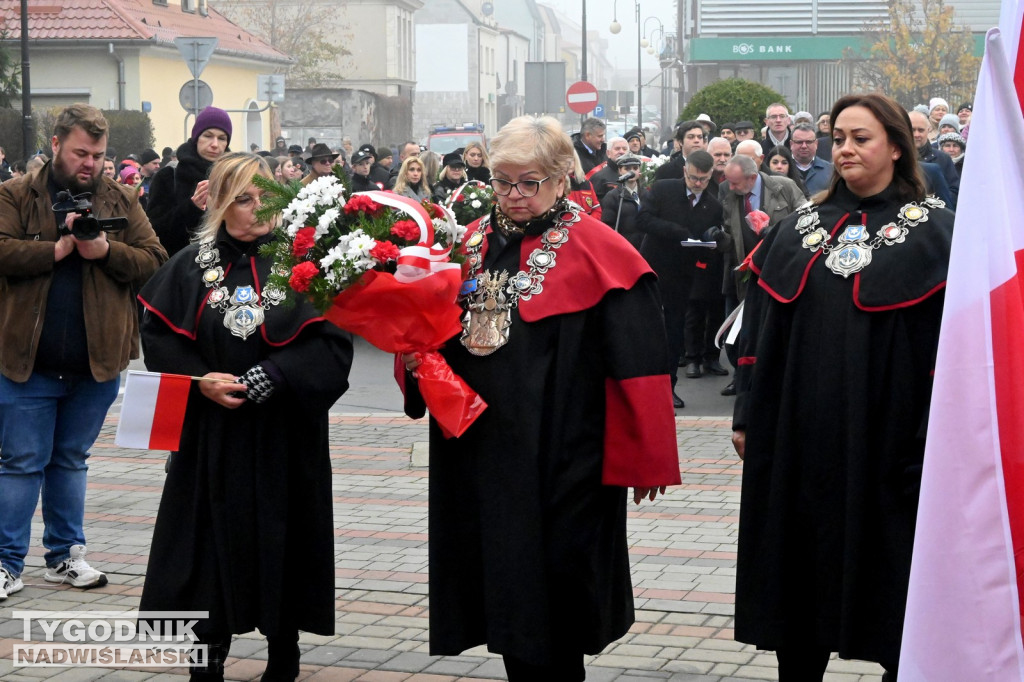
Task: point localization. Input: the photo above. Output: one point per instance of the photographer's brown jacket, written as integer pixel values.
(27, 235)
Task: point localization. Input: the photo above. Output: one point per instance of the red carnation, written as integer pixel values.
(384, 251)
(305, 239)
(363, 203)
(407, 230)
(302, 276)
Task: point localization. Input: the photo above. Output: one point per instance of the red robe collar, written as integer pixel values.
(594, 261)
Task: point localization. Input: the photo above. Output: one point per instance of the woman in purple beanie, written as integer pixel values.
(177, 195)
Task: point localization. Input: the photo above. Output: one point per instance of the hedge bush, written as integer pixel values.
(130, 131)
(732, 100)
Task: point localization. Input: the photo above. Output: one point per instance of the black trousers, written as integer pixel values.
(704, 316)
(569, 668)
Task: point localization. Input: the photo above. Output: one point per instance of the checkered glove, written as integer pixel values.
(259, 383)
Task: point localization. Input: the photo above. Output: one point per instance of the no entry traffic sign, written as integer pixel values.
(581, 97)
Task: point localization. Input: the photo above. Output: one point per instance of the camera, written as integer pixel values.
(86, 226)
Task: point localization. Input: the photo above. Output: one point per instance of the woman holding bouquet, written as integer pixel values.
(527, 510)
(247, 503)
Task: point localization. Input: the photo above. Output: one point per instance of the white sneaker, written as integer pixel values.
(76, 571)
(9, 584)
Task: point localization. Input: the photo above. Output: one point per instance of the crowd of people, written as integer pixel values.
(830, 234)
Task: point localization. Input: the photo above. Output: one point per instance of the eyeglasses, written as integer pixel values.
(324, 160)
(247, 200)
(777, 117)
(802, 143)
(698, 179)
(527, 188)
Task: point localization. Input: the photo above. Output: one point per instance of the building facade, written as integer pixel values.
(121, 54)
(792, 46)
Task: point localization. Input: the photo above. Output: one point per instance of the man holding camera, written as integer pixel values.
(68, 326)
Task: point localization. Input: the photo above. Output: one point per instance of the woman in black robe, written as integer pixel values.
(831, 420)
(245, 525)
(527, 510)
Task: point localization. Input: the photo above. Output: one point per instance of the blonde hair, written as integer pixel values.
(486, 163)
(230, 176)
(534, 141)
(431, 167)
(402, 181)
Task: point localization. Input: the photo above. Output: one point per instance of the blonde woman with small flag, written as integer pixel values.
(248, 495)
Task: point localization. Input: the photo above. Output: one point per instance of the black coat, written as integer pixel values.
(605, 180)
(480, 173)
(588, 159)
(627, 226)
(247, 500)
(667, 219)
(363, 183)
(835, 422)
(443, 189)
(928, 154)
(673, 169)
(173, 215)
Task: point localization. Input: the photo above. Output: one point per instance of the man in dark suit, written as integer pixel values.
(673, 212)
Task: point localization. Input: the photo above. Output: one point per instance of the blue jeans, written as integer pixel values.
(47, 426)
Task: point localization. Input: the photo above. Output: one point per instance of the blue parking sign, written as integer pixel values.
(598, 111)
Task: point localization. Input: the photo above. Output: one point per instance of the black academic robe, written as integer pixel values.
(245, 527)
(527, 509)
(835, 424)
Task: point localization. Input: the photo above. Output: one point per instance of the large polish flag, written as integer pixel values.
(153, 410)
(963, 619)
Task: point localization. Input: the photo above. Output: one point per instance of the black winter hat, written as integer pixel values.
(453, 159)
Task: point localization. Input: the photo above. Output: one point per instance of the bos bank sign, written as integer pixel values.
(771, 49)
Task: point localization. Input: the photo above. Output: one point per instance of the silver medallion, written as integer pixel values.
(242, 321)
(849, 259)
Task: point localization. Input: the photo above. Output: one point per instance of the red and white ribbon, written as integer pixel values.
(426, 257)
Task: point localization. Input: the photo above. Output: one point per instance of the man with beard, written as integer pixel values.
(71, 327)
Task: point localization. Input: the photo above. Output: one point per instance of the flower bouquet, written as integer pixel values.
(649, 166)
(381, 266)
(471, 201)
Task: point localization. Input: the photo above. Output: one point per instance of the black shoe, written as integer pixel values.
(730, 389)
(677, 402)
(715, 367)
(693, 371)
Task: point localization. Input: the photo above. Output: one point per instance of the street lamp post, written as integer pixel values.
(614, 28)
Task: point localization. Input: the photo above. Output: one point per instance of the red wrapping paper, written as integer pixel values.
(414, 317)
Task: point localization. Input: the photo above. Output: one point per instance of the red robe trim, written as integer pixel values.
(583, 273)
(639, 437)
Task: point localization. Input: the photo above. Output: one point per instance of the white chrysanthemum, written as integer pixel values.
(475, 203)
(360, 246)
(326, 220)
(335, 254)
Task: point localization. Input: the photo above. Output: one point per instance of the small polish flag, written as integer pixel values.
(153, 410)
